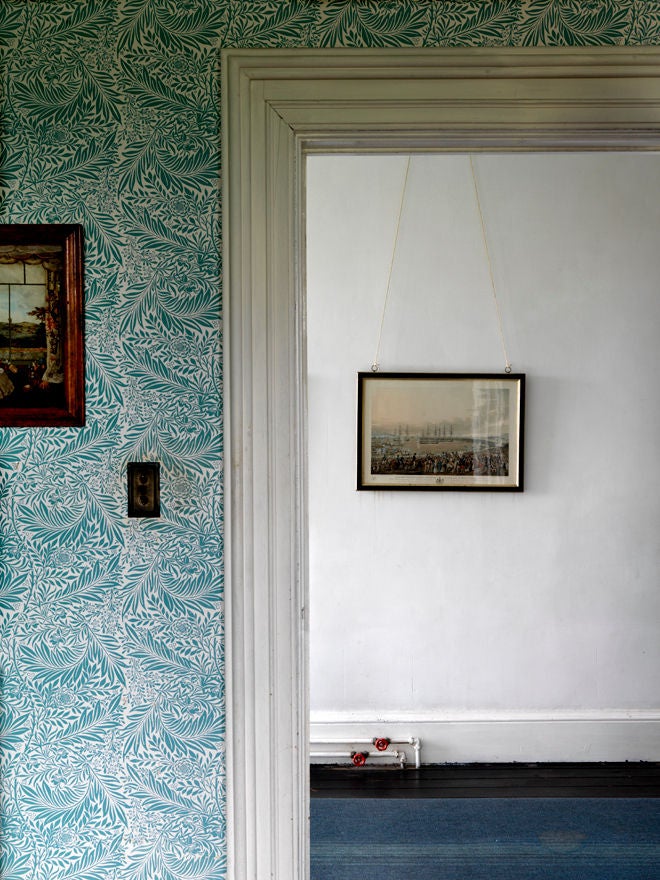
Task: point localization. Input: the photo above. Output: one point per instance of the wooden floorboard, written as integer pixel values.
(488, 780)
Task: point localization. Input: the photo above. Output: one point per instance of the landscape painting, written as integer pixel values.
(440, 431)
(41, 381)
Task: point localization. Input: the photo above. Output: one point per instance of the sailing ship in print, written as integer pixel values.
(434, 433)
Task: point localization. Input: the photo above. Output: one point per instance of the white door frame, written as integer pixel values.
(279, 105)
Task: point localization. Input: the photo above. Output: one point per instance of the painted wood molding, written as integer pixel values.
(456, 737)
(278, 106)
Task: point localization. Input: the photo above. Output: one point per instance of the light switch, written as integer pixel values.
(143, 488)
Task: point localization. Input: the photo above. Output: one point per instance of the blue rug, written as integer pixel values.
(485, 839)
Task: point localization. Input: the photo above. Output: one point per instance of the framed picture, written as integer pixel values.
(456, 431)
(41, 325)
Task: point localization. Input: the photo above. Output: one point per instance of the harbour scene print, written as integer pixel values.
(439, 431)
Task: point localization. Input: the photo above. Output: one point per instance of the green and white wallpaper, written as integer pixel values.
(111, 653)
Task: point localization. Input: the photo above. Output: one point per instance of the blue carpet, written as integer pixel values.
(485, 839)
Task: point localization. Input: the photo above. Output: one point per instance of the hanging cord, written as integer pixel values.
(507, 367)
(375, 364)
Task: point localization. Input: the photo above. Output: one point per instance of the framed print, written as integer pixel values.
(456, 431)
(41, 325)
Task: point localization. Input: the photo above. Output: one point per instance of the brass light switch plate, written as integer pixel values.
(143, 488)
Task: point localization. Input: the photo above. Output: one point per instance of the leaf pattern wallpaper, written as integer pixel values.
(111, 652)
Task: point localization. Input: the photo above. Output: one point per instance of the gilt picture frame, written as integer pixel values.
(441, 431)
(42, 381)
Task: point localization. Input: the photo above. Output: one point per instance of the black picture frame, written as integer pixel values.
(42, 382)
(441, 431)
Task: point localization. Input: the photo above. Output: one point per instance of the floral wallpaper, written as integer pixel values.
(111, 629)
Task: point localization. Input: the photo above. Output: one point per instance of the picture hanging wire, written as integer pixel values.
(507, 362)
(374, 365)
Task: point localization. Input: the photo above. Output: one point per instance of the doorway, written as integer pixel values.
(279, 107)
(488, 625)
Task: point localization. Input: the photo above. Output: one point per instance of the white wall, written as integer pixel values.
(499, 626)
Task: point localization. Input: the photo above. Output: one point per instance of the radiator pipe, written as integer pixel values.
(413, 741)
(396, 754)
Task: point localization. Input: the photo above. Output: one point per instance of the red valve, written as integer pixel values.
(359, 758)
(381, 743)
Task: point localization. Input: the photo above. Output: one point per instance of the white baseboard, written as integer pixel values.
(466, 737)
